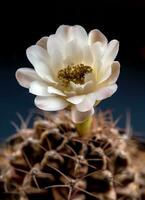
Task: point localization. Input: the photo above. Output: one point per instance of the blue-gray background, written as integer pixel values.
(22, 25)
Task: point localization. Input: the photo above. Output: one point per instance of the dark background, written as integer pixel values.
(22, 24)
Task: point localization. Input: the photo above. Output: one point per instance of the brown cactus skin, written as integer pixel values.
(50, 161)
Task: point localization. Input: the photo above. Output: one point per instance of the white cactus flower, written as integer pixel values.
(71, 68)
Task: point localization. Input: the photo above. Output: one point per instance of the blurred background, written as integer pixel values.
(22, 24)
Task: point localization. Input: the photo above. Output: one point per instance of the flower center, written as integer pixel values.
(74, 73)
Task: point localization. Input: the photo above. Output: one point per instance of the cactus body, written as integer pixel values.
(51, 162)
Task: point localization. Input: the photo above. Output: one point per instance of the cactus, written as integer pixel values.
(51, 161)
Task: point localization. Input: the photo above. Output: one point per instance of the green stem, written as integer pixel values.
(84, 128)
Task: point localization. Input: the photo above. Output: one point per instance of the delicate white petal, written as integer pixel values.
(52, 90)
(98, 95)
(70, 93)
(42, 42)
(54, 44)
(107, 60)
(87, 103)
(56, 62)
(97, 50)
(103, 74)
(97, 36)
(111, 75)
(74, 52)
(67, 61)
(90, 77)
(51, 103)
(76, 99)
(79, 89)
(97, 55)
(105, 92)
(110, 52)
(90, 86)
(78, 117)
(76, 87)
(25, 76)
(78, 32)
(56, 50)
(114, 73)
(63, 32)
(38, 88)
(87, 56)
(41, 62)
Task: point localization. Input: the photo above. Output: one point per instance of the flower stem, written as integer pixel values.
(84, 128)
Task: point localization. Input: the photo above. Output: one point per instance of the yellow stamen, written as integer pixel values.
(74, 73)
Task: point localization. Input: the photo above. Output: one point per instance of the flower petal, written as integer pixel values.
(74, 52)
(78, 117)
(109, 55)
(105, 92)
(76, 99)
(107, 60)
(68, 33)
(42, 42)
(97, 55)
(56, 50)
(114, 73)
(56, 62)
(54, 44)
(97, 36)
(87, 56)
(110, 52)
(111, 75)
(38, 88)
(77, 88)
(87, 103)
(78, 32)
(41, 62)
(50, 103)
(63, 32)
(98, 95)
(104, 73)
(52, 90)
(25, 76)
(90, 86)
